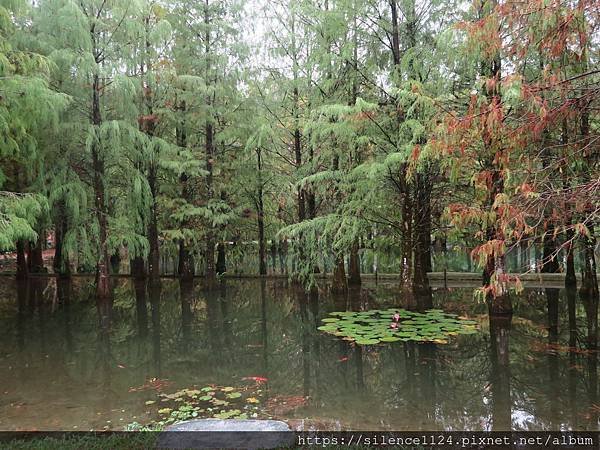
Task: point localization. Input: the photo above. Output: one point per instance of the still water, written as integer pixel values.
(66, 364)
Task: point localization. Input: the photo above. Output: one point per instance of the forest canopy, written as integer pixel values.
(318, 127)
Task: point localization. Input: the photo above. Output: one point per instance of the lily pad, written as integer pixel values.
(393, 325)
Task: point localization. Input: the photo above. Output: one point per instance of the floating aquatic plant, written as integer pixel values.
(392, 325)
(220, 402)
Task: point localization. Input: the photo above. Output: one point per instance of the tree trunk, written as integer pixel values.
(395, 34)
(571, 279)
(115, 262)
(273, 255)
(221, 267)
(154, 254)
(209, 255)
(339, 283)
(300, 191)
(36, 251)
(262, 251)
(137, 267)
(354, 265)
(60, 263)
(102, 262)
(498, 297)
(422, 231)
(282, 251)
(550, 247)
(589, 278)
(186, 266)
(406, 261)
(209, 251)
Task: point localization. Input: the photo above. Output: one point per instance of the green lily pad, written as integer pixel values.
(374, 326)
(367, 341)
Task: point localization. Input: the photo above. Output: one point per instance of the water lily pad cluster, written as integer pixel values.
(220, 402)
(392, 325)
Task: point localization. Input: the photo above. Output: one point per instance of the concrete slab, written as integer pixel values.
(230, 433)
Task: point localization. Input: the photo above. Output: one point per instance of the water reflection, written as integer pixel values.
(572, 372)
(500, 327)
(154, 291)
(590, 305)
(141, 307)
(552, 297)
(536, 370)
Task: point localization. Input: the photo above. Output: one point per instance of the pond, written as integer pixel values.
(65, 364)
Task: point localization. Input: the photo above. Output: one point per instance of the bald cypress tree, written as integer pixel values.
(90, 38)
(27, 105)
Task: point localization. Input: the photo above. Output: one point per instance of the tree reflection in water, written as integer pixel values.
(95, 352)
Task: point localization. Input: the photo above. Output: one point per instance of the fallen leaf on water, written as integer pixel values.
(152, 384)
(257, 379)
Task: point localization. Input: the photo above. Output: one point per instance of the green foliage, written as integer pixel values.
(18, 215)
